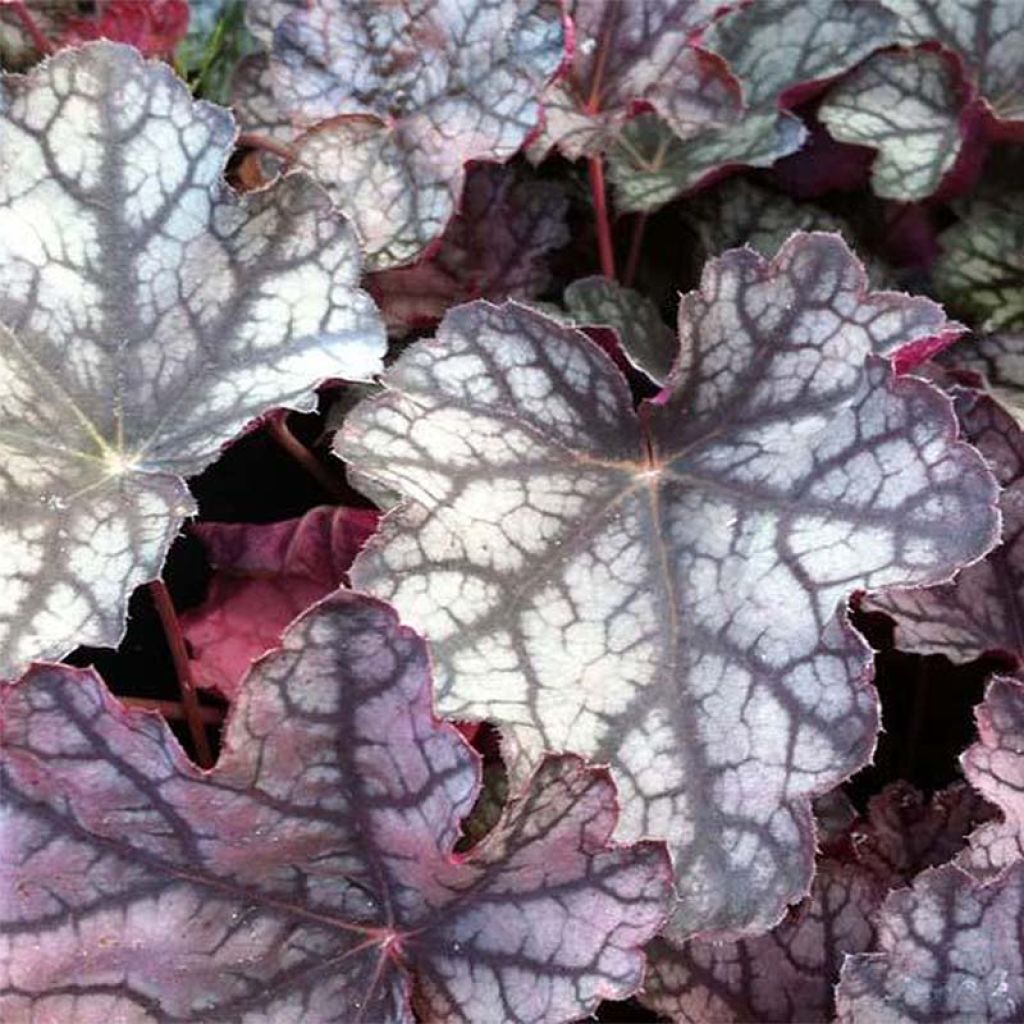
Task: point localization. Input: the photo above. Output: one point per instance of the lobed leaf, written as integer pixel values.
(146, 315)
(987, 36)
(266, 575)
(780, 52)
(995, 767)
(391, 102)
(950, 951)
(908, 107)
(495, 247)
(631, 53)
(664, 591)
(980, 611)
(790, 973)
(786, 975)
(310, 874)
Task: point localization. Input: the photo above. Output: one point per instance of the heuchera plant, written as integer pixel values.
(511, 510)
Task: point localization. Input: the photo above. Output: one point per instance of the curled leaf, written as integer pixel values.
(147, 313)
(995, 767)
(265, 576)
(664, 591)
(495, 248)
(310, 874)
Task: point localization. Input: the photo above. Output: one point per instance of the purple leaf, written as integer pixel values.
(903, 833)
(950, 951)
(265, 576)
(979, 611)
(147, 313)
(309, 875)
(627, 54)
(496, 247)
(786, 975)
(663, 591)
(995, 767)
(392, 102)
(645, 340)
(782, 52)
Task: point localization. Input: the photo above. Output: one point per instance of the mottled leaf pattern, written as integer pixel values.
(309, 876)
(649, 166)
(147, 314)
(995, 767)
(496, 247)
(951, 951)
(907, 106)
(265, 576)
(981, 610)
(739, 212)
(786, 975)
(980, 272)
(987, 35)
(395, 99)
(662, 592)
(790, 973)
(647, 342)
(777, 50)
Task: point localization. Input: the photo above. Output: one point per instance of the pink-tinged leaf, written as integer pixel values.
(988, 38)
(663, 591)
(980, 272)
(790, 973)
(781, 52)
(392, 102)
(950, 951)
(496, 247)
(147, 314)
(995, 767)
(627, 54)
(908, 106)
(787, 975)
(265, 576)
(642, 336)
(980, 611)
(309, 875)
(155, 27)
